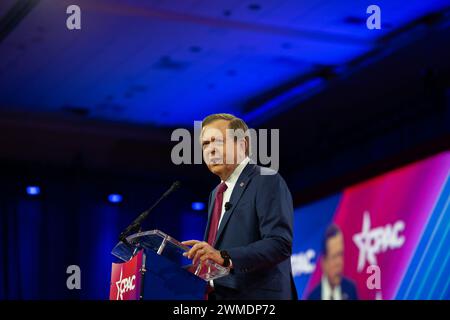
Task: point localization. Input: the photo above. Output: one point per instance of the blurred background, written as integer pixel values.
(86, 118)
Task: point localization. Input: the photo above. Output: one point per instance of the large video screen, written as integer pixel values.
(394, 236)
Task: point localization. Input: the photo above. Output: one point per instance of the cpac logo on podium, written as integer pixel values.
(125, 285)
(371, 242)
(126, 279)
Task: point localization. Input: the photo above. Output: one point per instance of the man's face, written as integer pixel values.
(333, 262)
(221, 152)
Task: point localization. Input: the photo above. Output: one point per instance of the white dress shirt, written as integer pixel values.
(328, 291)
(231, 182)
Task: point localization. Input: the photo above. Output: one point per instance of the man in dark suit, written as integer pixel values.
(333, 285)
(250, 218)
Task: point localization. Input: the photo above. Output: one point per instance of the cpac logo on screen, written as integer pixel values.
(371, 242)
(302, 262)
(125, 285)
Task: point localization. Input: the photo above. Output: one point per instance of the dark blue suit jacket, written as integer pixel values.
(257, 233)
(348, 289)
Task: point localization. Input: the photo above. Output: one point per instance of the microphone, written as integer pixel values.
(136, 224)
(228, 206)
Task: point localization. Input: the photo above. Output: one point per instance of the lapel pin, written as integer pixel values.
(242, 184)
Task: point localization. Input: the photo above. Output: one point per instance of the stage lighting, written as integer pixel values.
(198, 206)
(33, 190)
(115, 198)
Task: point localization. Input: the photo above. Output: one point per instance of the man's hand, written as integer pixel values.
(202, 251)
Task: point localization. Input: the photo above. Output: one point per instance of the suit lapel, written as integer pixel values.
(238, 190)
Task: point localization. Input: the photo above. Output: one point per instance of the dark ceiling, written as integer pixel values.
(106, 98)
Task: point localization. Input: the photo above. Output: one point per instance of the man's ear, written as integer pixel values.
(243, 145)
(246, 146)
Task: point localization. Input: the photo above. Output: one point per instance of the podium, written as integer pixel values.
(153, 267)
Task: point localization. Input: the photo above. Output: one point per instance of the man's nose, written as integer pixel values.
(211, 151)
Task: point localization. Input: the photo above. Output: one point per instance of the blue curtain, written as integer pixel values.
(71, 223)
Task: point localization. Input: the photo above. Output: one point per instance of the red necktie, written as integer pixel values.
(214, 224)
(217, 211)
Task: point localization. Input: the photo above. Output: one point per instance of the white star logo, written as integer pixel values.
(362, 241)
(119, 286)
(379, 239)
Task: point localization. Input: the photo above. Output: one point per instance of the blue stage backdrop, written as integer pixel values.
(398, 221)
(72, 223)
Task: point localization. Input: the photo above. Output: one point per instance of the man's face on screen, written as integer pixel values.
(333, 261)
(221, 152)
